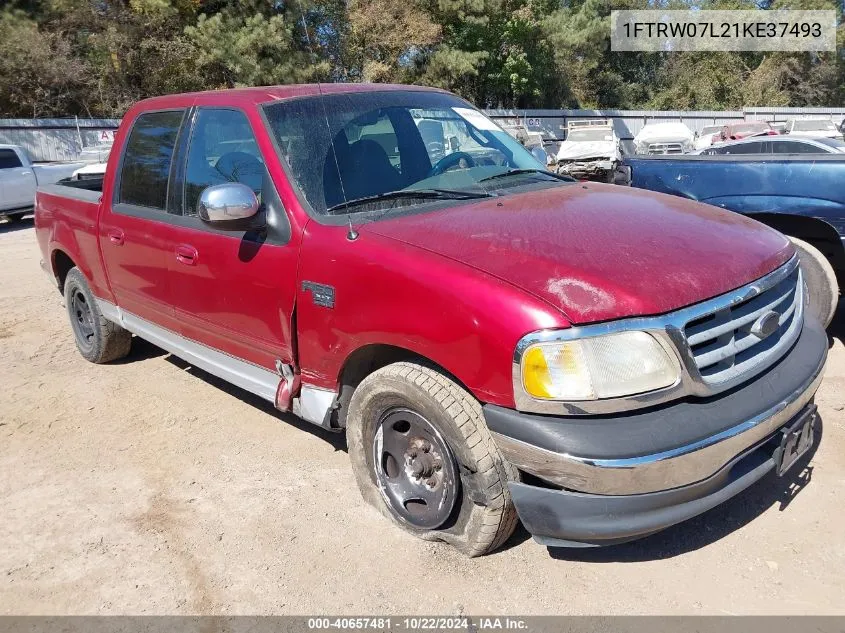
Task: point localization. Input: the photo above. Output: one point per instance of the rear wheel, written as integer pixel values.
(821, 281)
(423, 456)
(97, 339)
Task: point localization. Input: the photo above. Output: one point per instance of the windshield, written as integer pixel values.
(385, 142)
(835, 143)
(814, 126)
(593, 134)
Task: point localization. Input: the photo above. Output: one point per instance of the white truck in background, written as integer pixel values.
(590, 151)
(19, 177)
(813, 128)
(664, 138)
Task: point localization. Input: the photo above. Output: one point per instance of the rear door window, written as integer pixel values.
(146, 162)
(9, 159)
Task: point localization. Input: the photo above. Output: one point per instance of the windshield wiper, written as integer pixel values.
(433, 194)
(533, 170)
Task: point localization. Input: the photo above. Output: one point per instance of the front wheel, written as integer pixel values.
(423, 456)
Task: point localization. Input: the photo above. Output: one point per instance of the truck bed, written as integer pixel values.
(69, 210)
(94, 183)
(801, 184)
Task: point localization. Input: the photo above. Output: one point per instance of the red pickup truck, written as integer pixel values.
(496, 341)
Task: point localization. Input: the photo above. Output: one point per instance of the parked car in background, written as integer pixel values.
(664, 138)
(95, 153)
(706, 136)
(737, 131)
(19, 177)
(94, 170)
(778, 126)
(777, 145)
(813, 128)
(590, 151)
(493, 339)
(532, 140)
(801, 195)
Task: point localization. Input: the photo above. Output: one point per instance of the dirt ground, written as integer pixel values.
(146, 487)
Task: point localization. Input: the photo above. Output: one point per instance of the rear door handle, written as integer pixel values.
(186, 254)
(116, 237)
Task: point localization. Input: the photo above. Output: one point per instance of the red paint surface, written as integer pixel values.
(390, 293)
(601, 252)
(458, 286)
(736, 133)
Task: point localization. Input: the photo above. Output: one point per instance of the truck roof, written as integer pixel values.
(265, 94)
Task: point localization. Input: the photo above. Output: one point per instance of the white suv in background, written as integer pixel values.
(812, 128)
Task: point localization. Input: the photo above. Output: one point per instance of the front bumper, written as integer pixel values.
(585, 167)
(621, 477)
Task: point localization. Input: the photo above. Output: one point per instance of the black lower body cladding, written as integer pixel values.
(618, 478)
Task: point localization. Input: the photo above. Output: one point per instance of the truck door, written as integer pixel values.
(232, 291)
(17, 182)
(134, 229)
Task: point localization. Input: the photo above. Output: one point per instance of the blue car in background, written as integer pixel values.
(801, 195)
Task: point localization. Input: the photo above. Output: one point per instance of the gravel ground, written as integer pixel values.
(147, 487)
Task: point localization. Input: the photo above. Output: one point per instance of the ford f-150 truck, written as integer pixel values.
(496, 341)
(799, 194)
(19, 177)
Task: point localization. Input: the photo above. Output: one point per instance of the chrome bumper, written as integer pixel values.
(681, 466)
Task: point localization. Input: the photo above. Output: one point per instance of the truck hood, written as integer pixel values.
(570, 150)
(600, 252)
(664, 133)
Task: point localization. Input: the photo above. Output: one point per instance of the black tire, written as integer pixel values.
(482, 516)
(821, 281)
(97, 339)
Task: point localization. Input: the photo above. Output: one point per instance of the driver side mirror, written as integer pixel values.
(231, 205)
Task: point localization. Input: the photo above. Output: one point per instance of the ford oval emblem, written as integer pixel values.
(766, 325)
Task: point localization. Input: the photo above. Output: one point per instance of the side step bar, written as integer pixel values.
(313, 404)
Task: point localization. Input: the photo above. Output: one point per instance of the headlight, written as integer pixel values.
(606, 366)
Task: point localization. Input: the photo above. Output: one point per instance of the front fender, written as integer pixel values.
(387, 292)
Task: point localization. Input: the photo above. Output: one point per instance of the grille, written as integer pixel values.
(723, 345)
(665, 148)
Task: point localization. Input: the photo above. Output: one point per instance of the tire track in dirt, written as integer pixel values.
(165, 519)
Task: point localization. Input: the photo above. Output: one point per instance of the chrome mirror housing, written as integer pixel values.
(231, 201)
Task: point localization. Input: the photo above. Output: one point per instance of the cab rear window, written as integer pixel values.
(9, 159)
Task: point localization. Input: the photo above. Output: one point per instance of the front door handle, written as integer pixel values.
(186, 254)
(116, 236)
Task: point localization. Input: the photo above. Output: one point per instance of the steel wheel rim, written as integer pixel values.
(415, 469)
(82, 319)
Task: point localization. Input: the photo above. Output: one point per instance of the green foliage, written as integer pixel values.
(95, 57)
(234, 50)
(38, 75)
(387, 38)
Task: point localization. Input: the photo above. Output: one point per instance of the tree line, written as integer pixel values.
(96, 57)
